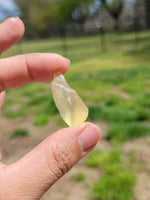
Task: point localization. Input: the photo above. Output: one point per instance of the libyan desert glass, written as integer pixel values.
(71, 107)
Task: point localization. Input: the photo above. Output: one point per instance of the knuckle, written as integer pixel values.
(63, 158)
(2, 87)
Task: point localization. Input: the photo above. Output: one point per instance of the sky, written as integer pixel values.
(7, 8)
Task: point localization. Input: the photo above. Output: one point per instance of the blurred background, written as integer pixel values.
(108, 43)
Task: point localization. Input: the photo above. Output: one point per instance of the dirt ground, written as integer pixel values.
(142, 148)
(67, 188)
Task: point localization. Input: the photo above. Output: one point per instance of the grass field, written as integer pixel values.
(84, 46)
(115, 86)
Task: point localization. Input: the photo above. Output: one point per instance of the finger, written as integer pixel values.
(11, 31)
(43, 166)
(20, 70)
(2, 97)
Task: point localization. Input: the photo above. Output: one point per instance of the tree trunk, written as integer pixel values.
(147, 12)
(116, 24)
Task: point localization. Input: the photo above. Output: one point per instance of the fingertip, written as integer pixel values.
(68, 61)
(11, 31)
(86, 124)
(43, 66)
(15, 28)
(89, 137)
(63, 63)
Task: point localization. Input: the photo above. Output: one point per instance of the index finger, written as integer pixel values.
(11, 31)
(23, 69)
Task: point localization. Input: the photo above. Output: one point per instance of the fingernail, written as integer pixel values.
(11, 21)
(88, 138)
(69, 62)
(12, 18)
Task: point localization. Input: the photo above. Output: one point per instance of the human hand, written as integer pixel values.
(32, 175)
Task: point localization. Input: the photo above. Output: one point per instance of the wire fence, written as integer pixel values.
(81, 44)
(98, 40)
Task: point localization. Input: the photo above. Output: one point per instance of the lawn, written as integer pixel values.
(114, 85)
(84, 46)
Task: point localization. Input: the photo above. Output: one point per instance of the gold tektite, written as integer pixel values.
(71, 107)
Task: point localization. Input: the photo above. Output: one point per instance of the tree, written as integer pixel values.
(147, 12)
(38, 16)
(114, 8)
(74, 11)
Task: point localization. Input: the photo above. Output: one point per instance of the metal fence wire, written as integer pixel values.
(77, 43)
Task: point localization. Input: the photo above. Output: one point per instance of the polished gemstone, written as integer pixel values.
(71, 107)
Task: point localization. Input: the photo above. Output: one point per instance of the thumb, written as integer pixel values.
(2, 97)
(30, 177)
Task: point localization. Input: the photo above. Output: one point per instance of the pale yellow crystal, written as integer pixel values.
(71, 107)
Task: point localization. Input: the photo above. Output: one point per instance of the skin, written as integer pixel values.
(31, 176)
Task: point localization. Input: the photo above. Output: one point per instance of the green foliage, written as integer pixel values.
(128, 117)
(88, 47)
(115, 186)
(142, 114)
(16, 113)
(39, 16)
(49, 107)
(114, 7)
(61, 121)
(41, 120)
(101, 86)
(11, 101)
(12, 114)
(127, 131)
(94, 158)
(143, 99)
(111, 114)
(147, 11)
(80, 176)
(75, 10)
(38, 100)
(116, 182)
(52, 107)
(108, 160)
(19, 133)
(111, 100)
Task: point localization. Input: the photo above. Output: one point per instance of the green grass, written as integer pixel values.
(80, 176)
(100, 158)
(19, 133)
(111, 114)
(21, 111)
(115, 186)
(41, 120)
(82, 46)
(97, 80)
(37, 100)
(117, 179)
(114, 84)
(127, 131)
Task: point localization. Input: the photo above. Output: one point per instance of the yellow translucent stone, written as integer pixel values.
(71, 107)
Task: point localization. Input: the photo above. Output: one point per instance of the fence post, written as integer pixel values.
(136, 23)
(136, 29)
(101, 36)
(19, 47)
(62, 31)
